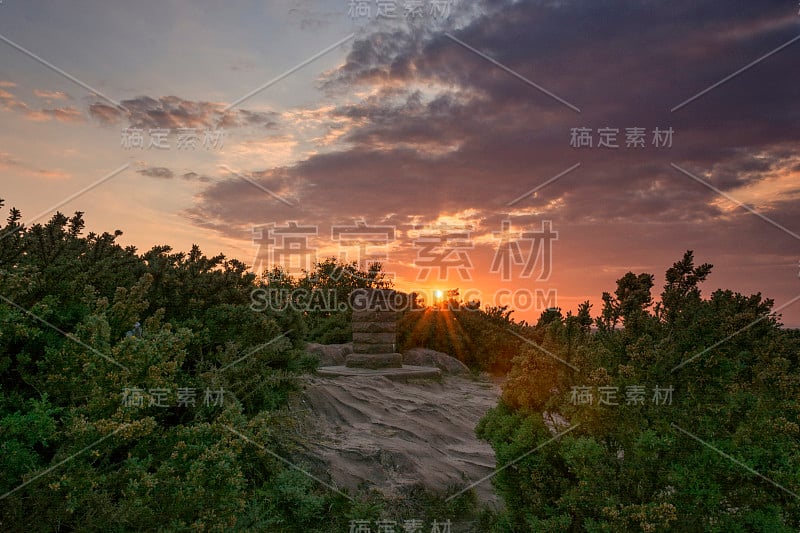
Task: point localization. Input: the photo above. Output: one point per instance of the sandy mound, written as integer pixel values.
(330, 354)
(440, 360)
(371, 432)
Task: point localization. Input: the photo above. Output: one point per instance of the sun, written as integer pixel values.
(438, 293)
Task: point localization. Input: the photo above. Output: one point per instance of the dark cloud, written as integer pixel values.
(105, 114)
(172, 112)
(157, 172)
(194, 176)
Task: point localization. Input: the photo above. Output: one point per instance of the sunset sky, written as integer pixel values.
(440, 128)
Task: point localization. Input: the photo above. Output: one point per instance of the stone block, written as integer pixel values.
(374, 361)
(373, 348)
(375, 316)
(374, 327)
(374, 338)
(378, 300)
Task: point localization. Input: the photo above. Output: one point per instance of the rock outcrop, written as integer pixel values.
(442, 361)
(336, 354)
(375, 433)
(330, 354)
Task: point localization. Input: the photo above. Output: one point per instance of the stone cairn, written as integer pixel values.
(375, 315)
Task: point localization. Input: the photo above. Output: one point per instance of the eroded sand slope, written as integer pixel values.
(390, 435)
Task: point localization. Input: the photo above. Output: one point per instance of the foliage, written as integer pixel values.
(75, 456)
(686, 465)
(76, 453)
(321, 296)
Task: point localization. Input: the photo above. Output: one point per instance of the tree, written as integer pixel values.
(681, 292)
(732, 375)
(79, 452)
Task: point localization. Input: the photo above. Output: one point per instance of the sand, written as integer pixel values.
(375, 433)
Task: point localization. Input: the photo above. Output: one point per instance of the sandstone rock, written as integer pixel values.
(373, 338)
(364, 348)
(426, 357)
(374, 327)
(330, 354)
(372, 433)
(375, 316)
(374, 361)
(378, 300)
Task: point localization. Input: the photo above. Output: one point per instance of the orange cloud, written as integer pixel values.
(63, 114)
(766, 189)
(9, 102)
(106, 115)
(51, 95)
(53, 174)
(7, 160)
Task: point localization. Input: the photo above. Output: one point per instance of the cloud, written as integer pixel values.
(763, 182)
(157, 172)
(418, 130)
(105, 114)
(172, 112)
(9, 161)
(165, 173)
(61, 114)
(5, 83)
(52, 95)
(10, 102)
(194, 176)
(53, 174)
(242, 65)
(308, 16)
(273, 150)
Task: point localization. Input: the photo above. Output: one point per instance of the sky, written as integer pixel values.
(528, 153)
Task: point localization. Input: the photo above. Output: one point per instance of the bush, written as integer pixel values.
(648, 466)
